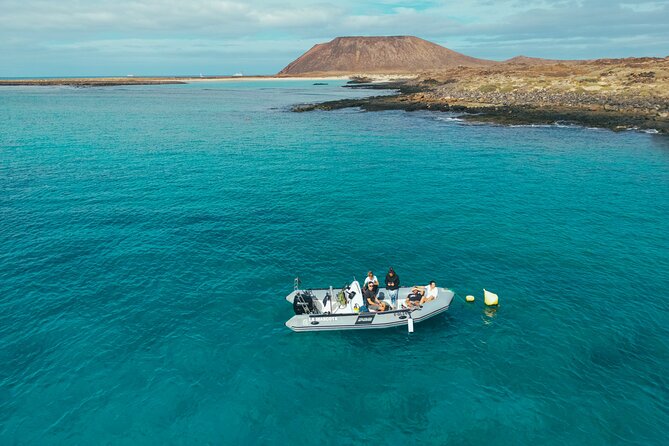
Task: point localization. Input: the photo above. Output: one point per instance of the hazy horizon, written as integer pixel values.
(165, 37)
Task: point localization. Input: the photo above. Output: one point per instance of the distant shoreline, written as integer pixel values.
(617, 95)
(154, 80)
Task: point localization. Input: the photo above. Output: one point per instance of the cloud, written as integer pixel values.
(66, 32)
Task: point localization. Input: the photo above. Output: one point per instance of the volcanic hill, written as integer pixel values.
(525, 60)
(377, 55)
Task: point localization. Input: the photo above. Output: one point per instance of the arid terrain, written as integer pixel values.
(612, 93)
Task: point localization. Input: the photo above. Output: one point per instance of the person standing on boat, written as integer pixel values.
(392, 285)
(371, 278)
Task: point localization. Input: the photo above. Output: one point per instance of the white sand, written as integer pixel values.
(374, 77)
(260, 78)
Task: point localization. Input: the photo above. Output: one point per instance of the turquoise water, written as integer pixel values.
(148, 236)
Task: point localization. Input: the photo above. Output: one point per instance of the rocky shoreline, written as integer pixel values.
(617, 120)
(614, 94)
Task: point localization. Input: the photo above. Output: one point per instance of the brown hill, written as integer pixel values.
(377, 55)
(525, 60)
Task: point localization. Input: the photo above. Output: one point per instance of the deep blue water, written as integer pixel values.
(148, 236)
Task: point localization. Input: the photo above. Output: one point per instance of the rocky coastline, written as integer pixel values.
(623, 94)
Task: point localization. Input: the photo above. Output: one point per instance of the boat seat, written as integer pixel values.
(382, 296)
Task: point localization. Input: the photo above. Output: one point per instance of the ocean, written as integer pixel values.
(149, 235)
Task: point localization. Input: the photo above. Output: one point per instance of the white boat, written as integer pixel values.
(330, 309)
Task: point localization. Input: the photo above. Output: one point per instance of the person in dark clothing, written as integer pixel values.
(392, 285)
(373, 303)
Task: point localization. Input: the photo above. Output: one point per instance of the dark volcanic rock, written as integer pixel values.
(507, 114)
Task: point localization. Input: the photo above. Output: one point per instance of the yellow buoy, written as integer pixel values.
(490, 298)
(469, 298)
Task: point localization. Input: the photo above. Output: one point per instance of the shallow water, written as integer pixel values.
(131, 216)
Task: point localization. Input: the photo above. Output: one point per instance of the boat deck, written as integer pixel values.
(329, 314)
(325, 305)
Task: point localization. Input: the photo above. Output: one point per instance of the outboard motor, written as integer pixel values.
(304, 303)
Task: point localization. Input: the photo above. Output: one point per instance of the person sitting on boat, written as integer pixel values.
(431, 292)
(372, 278)
(415, 296)
(373, 302)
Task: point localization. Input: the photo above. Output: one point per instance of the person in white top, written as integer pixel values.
(371, 278)
(431, 292)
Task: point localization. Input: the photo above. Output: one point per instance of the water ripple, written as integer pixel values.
(148, 236)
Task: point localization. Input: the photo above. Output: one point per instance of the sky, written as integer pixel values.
(213, 37)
